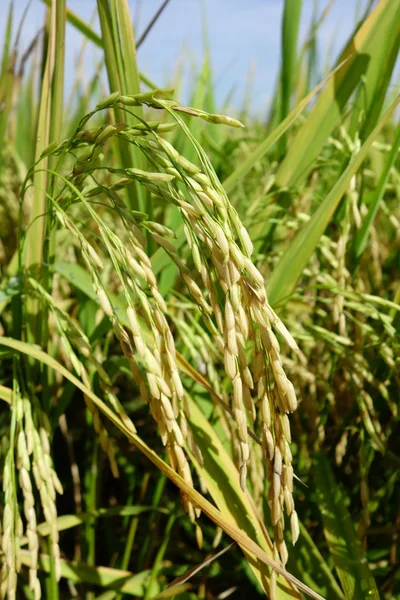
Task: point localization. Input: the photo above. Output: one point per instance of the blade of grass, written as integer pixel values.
(175, 585)
(308, 564)
(130, 539)
(66, 522)
(361, 55)
(124, 581)
(230, 182)
(294, 260)
(91, 35)
(5, 394)
(37, 232)
(345, 547)
(6, 54)
(157, 495)
(223, 484)
(7, 80)
(372, 92)
(26, 121)
(362, 234)
(160, 555)
(81, 26)
(90, 496)
(290, 33)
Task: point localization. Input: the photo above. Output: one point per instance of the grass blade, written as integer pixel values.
(91, 35)
(5, 394)
(7, 41)
(291, 265)
(347, 552)
(230, 182)
(308, 564)
(50, 109)
(68, 521)
(362, 235)
(290, 32)
(372, 92)
(123, 581)
(175, 585)
(222, 479)
(361, 53)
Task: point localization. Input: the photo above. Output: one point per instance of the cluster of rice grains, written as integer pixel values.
(27, 449)
(225, 285)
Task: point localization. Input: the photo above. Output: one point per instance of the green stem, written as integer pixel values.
(160, 555)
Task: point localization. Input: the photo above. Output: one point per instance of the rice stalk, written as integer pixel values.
(233, 305)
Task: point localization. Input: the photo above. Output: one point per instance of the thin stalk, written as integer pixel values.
(158, 492)
(51, 581)
(37, 232)
(132, 530)
(90, 501)
(160, 555)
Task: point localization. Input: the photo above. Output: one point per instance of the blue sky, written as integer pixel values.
(244, 36)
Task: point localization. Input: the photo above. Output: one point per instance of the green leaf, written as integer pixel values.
(175, 585)
(68, 521)
(80, 279)
(123, 581)
(240, 172)
(362, 53)
(91, 35)
(223, 484)
(6, 394)
(290, 32)
(345, 547)
(11, 288)
(296, 257)
(362, 234)
(306, 561)
(385, 41)
(7, 41)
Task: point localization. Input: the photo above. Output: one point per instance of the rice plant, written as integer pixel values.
(199, 321)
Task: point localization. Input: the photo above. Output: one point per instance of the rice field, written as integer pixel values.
(199, 322)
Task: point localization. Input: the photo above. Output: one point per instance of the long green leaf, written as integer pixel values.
(7, 41)
(290, 32)
(345, 547)
(123, 581)
(230, 182)
(296, 257)
(223, 484)
(308, 564)
(372, 92)
(361, 53)
(36, 250)
(175, 585)
(361, 237)
(81, 26)
(68, 521)
(6, 394)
